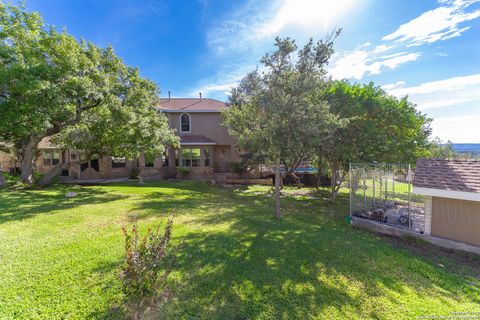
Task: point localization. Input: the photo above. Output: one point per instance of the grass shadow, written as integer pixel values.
(24, 204)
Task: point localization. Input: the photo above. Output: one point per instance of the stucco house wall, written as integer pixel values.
(206, 133)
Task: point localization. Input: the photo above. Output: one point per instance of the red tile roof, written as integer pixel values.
(453, 175)
(190, 104)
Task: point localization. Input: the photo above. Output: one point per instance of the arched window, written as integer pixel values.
(185, 122)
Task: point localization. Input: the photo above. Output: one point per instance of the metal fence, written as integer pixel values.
(383, 193)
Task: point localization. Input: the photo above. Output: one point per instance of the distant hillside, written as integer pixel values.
(467, 147)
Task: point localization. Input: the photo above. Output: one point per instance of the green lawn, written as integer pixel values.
(60, 258)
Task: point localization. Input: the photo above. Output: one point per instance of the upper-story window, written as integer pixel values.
(185, 122)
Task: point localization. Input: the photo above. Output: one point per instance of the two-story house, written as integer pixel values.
(206, 149)
(205, 145)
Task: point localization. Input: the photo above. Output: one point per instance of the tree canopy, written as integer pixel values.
(273, 112)
(381, 128)
(52, 84)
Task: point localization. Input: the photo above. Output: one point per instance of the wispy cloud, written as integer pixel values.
(441, 23)
(239, 40)
(255, 25)
(242, 38)
(361, 62)
(459, 95)
(442, 93)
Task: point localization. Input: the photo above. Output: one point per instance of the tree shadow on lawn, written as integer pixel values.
(306, 264)
(248, 273)
(23, 204)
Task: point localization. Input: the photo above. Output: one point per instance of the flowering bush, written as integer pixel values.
(149, 261)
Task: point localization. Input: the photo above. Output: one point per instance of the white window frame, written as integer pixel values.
(189, 122)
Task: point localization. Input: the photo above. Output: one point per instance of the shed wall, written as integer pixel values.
(456, 220)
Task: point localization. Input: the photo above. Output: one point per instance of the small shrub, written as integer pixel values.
(239, 168)
(183, 171)
(149, 261)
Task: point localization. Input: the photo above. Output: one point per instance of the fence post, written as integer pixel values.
(373, 189)
(364, 191)
(409, 180)
(350, 185)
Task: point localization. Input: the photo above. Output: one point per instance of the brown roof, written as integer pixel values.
(453, 175)
(190, 104)
(195, 139)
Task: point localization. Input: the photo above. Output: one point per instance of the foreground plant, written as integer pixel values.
(149, 261)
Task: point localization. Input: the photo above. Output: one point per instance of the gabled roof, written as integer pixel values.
(46, 143)
(450, 175)
(190, 105)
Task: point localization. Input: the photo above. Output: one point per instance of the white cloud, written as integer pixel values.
(392, 86)
(306, 14)
(240, 40)
(464, 84)
(462, 129)
(458, 94)
(208, 89)
(361, 62)
(255, 25)
(220, 84)
(441, 23)
(439, 94)
(248, 32)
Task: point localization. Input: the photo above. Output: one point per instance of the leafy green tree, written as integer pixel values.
(442, 150)
(381, 128)
(82, 95)
(273, 113)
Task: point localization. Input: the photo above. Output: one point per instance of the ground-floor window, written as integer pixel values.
(51, 157)
(206, 156)
(191, 157)
(149, 160)
(94, 163)
(119, 162)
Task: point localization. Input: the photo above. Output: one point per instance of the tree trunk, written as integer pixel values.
(2, 179)
(28, 158)
(319, 175)
(333, 182)
(296, 179)
(278, 213)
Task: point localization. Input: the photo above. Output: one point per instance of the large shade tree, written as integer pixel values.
(381, 128)
(84, 96)
(273, 112)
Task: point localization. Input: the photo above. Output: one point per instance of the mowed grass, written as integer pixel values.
(61, 258)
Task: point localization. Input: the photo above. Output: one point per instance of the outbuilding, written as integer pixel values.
(452, 192)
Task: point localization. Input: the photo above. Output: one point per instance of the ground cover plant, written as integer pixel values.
(62, 257)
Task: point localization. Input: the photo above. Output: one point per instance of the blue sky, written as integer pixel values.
(428, 49)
